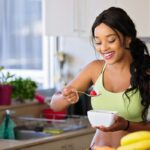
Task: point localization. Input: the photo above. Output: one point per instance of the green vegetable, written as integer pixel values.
(23, 89)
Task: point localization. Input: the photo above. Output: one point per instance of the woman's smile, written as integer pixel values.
(108, 55)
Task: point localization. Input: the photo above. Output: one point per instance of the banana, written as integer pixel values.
(140, 145)
(135, 137)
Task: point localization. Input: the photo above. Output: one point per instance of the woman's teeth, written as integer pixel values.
(108, 55)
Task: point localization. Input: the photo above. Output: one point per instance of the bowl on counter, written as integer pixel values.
(101, 117)
(50, 114)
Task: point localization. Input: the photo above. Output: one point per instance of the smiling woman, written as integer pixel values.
(122, 77)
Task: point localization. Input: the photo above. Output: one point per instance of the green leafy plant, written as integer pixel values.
(23, 89)
(5, 78)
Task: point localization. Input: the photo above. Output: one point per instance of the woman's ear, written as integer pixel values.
(127, 42)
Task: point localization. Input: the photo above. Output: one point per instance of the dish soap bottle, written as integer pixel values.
(7, 127)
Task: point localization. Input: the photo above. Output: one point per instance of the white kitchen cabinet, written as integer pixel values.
(72, 17)
(81, 142)
(64, 17)
(75, 17)
(94, 8)
(139, 11)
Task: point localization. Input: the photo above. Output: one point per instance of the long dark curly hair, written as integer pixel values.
(118, 19)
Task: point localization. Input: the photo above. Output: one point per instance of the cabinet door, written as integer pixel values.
(139, 11)
(73, 143)
(64, 17)
(94, 8)
(57, 145)
(80, 143)
(58, 17)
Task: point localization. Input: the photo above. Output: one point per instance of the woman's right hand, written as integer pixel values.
(70, 95)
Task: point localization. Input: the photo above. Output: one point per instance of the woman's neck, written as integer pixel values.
(123, 64)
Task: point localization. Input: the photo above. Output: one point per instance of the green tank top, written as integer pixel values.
(129, 110)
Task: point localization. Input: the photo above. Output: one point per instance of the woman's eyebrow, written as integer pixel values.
(113, 34)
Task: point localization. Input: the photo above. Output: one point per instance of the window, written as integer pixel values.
(23, 48)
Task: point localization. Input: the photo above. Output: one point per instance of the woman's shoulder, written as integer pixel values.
(96, 64)
(94, 68)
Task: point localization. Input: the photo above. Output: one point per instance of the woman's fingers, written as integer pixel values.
(70, 95)
(72, 100)
(119, 124)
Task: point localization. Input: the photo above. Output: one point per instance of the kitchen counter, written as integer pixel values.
(21, 144)
(33, 109)
(67, 140)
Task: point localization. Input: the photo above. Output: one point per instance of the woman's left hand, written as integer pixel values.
(119, 124)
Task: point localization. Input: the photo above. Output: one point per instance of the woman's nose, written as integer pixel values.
(104, 47)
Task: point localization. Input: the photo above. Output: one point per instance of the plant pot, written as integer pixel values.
(5, 94)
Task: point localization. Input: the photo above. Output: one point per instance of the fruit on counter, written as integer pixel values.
(135, 137)
(139, 140)
(93, 93)
(140, 145)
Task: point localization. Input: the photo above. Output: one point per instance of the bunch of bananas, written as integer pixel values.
(139, 140)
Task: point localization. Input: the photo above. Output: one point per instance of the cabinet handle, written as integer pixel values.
(75, 16)
(79, 14)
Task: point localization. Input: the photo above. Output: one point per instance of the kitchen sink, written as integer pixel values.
(32, 128)
(24, 132)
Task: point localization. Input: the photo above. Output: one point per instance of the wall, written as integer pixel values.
(79, 51)
(148, 45)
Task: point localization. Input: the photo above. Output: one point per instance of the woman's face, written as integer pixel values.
(109, 44)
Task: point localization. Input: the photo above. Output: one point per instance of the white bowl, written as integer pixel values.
(101, 117)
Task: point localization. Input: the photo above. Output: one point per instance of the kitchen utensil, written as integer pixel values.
(88, 94)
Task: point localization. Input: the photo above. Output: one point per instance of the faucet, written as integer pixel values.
(10, 112)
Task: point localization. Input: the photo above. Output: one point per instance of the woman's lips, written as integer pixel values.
(108, 55)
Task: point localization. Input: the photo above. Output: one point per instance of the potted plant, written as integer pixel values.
(23, 89)
(5, 87)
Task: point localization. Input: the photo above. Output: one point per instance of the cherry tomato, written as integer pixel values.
(93, 92)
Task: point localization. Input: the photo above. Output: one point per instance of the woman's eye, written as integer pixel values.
(111, 41)
(97, 43)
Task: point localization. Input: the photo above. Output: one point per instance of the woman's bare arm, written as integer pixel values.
(82, 82)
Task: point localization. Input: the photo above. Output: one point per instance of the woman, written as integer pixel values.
(122, 77)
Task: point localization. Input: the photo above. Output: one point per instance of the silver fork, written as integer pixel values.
(88, 94)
